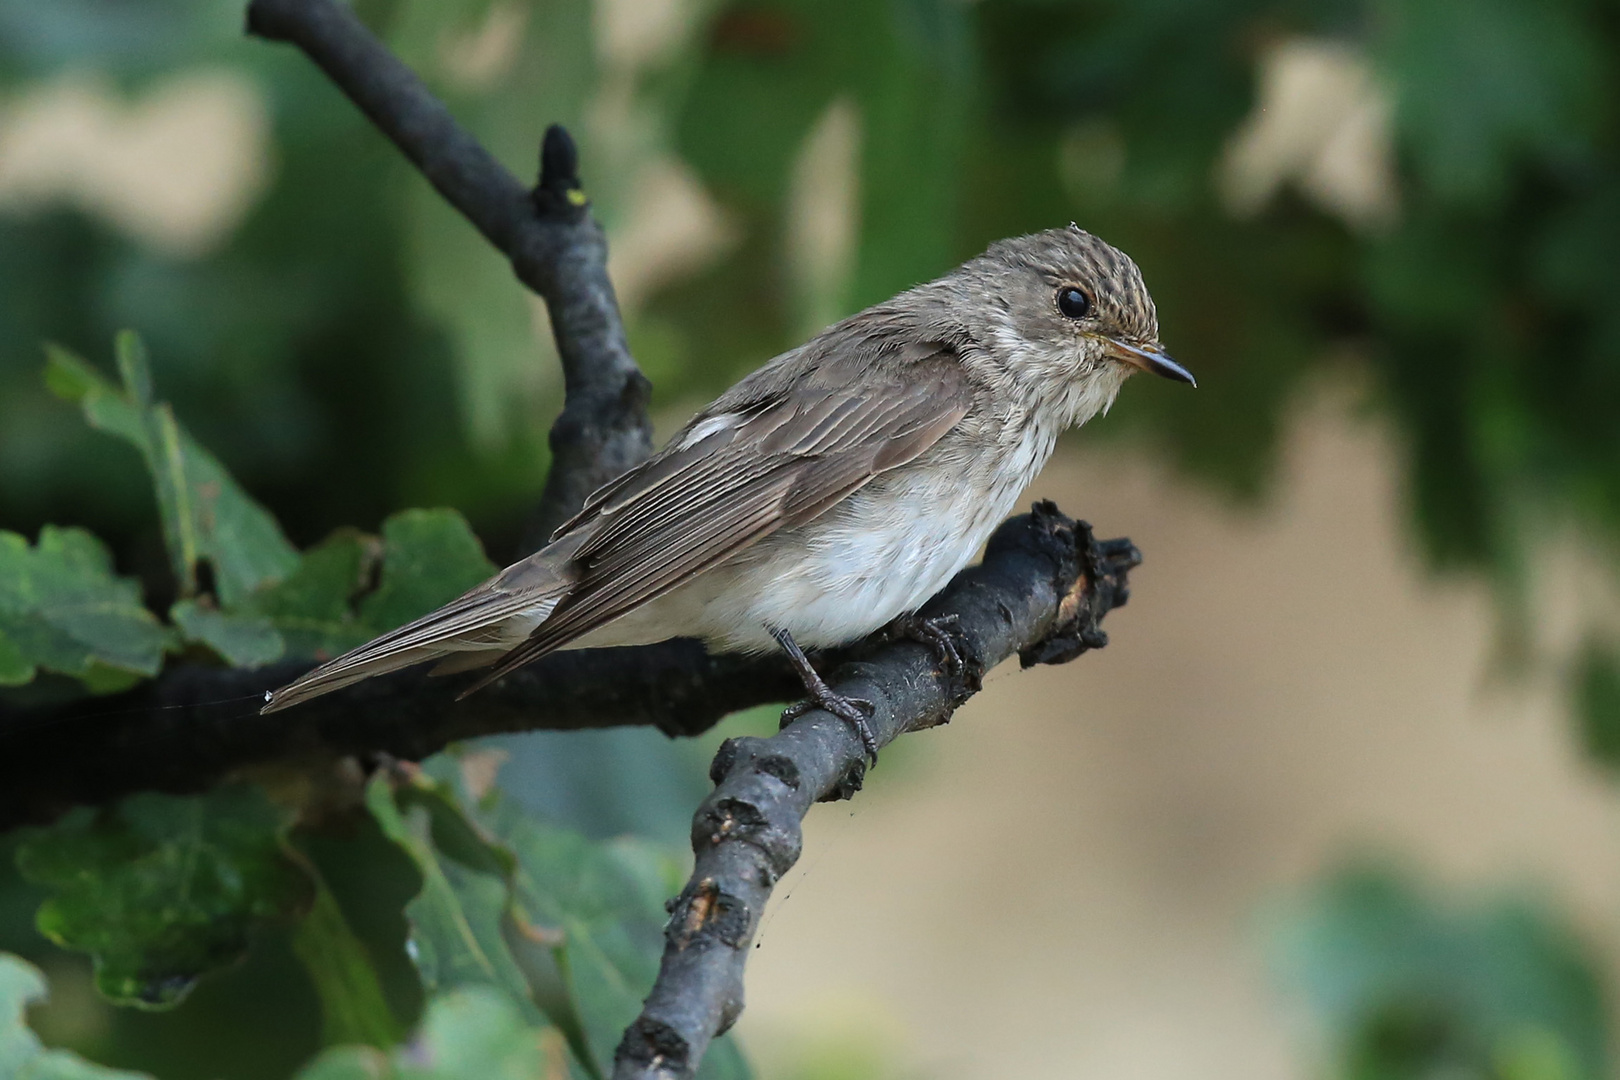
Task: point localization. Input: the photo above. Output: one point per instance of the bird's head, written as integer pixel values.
(1071, 312)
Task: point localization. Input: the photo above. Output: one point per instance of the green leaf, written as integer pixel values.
(310, 608)
(71, 378)
(353, 1007)
(63, 609)
(241, 640)
(22, 1056)
(580, 922)
(161, 889)
(607, 901)
(456, 934)
(15, 669)
(429, 558)
(476, 1033)
(204, 512)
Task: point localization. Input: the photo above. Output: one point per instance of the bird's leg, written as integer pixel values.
(853, 711)
(935, 632)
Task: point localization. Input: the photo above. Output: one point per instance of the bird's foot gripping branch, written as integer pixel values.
(1041, 591)
(171, 824)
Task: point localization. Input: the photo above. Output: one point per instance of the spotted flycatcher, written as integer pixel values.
(830, 492)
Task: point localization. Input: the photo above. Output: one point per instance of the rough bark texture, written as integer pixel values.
(1040, 592)
(195, 725)
(556, 248)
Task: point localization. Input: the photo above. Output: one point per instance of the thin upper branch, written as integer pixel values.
(554, 245)
(1043, 586)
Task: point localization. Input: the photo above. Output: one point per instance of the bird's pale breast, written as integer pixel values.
(877, 555)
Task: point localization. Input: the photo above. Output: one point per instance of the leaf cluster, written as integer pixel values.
(525, 948)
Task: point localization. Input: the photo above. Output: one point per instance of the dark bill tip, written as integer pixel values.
(1151, 358)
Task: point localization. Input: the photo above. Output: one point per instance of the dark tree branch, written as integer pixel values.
(556, 248)
(1040, 592)
(193, 725)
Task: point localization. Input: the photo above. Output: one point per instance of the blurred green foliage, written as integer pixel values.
(1407, 987)
(350, 347)
(163, 889)
(1597, 698)
(22, 1057)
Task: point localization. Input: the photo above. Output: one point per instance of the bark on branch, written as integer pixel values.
(1043, 587)
(554, 245)
(193, 725)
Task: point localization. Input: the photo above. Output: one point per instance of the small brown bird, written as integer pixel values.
(826, 494)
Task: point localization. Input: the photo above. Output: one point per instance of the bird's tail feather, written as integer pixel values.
(456, 663)
(323, 680)
(479, 622)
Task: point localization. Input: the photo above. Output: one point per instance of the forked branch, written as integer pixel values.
(1043, 587)
(547, 233)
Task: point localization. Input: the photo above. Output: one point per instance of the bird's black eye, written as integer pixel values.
(1073, 303)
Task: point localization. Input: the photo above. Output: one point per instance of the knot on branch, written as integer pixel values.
(605, 412)
(1092, 580)
(779, 766)
(703, 914)
(653, 1048)
(740, 817)
(559, 194)
(849, 781)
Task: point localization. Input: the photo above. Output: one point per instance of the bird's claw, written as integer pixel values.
(935, 632)
(854, 711)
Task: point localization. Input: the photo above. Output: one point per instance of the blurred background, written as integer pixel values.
(1338, 800)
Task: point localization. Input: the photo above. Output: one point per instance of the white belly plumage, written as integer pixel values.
(879, 554)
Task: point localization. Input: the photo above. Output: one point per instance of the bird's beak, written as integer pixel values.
(1150, 358)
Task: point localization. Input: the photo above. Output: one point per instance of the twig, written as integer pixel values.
(556, 248)
(1043, 586)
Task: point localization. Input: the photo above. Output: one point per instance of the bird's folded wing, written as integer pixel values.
(734, 477)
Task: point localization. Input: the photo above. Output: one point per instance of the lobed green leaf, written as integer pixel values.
(241, 640)
(566, 925)
(160, 889)
(63, 609)
(205, 514)
(429, 558)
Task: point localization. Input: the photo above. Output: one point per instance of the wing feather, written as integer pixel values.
(783, 463)
(776, 451)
